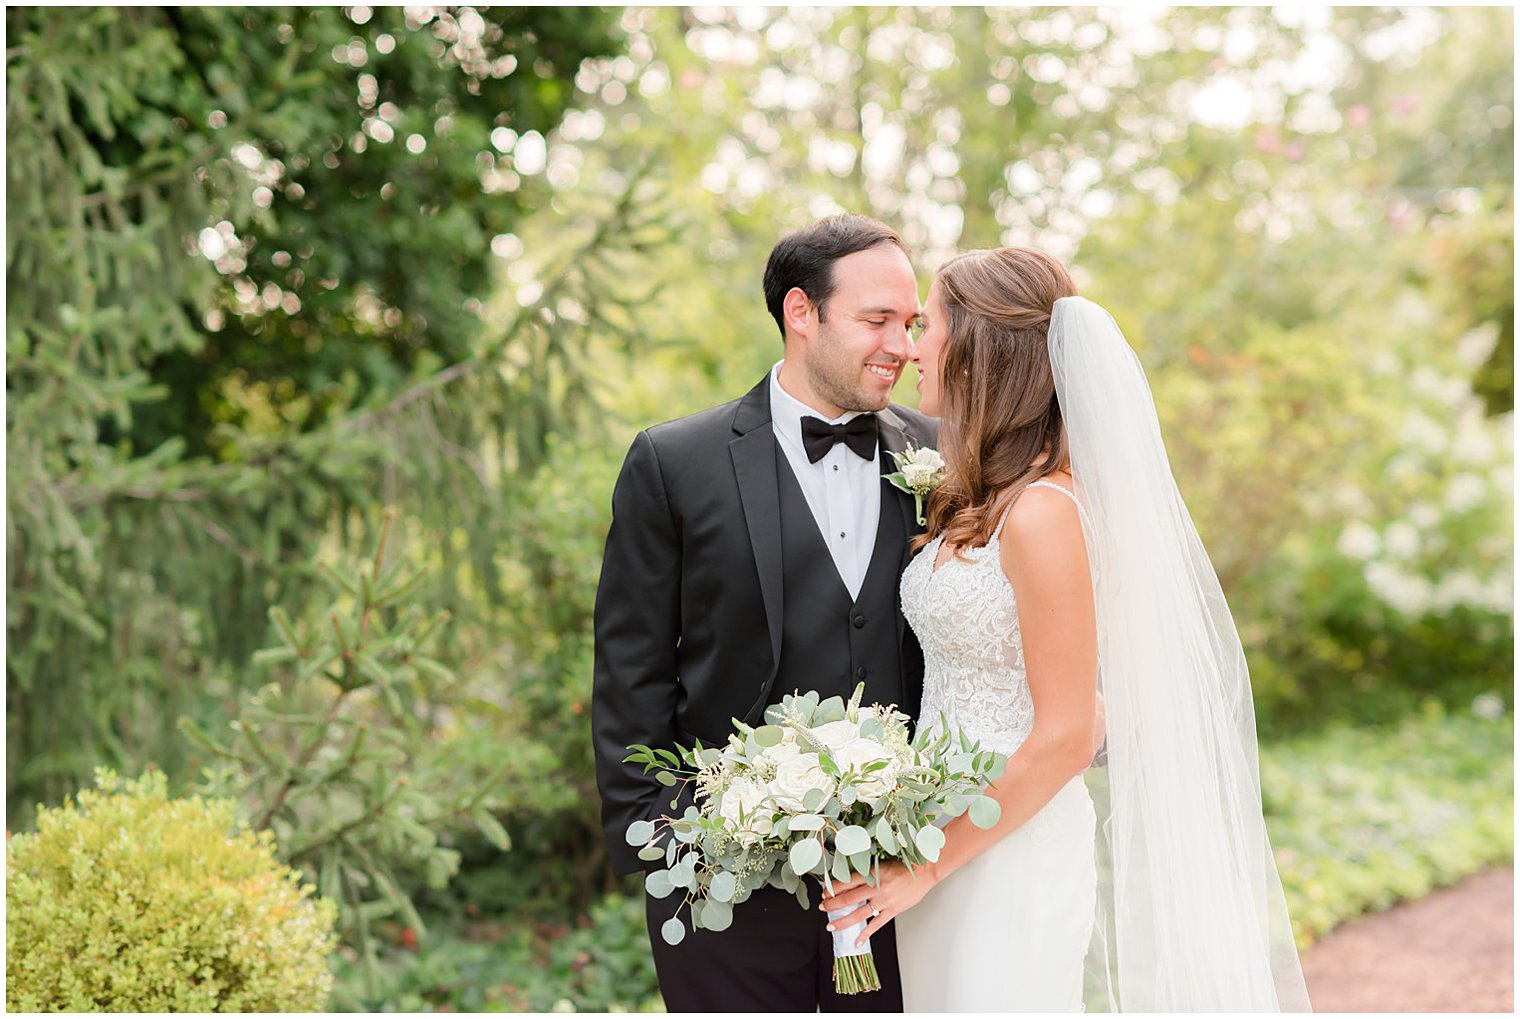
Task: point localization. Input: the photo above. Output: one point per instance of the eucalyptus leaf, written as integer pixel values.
(831, 710)
(885, 837)
(804, 855)
(659, 884)
(807, 822)
(930, 840)
(673, 931)
(717, 916)
(985, 812)
(841, 867)
(650, 853)
(722, 886)
(639, 832)
(769, 735)
(665, 778)
(852, 839)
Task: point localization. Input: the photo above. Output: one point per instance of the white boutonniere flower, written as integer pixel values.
(918, 471)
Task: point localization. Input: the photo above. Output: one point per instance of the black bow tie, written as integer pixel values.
(859, 433)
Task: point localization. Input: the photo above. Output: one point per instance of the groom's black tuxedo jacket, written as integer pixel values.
(689, 610)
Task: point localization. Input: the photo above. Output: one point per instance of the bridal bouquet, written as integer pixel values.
(821, 791)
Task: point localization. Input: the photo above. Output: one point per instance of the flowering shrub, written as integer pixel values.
(126, 900)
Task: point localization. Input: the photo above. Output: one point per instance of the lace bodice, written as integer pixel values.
(965, 619)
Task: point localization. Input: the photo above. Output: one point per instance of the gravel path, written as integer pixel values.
(1452, 951)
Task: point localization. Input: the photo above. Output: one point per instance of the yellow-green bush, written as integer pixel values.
(127, 900)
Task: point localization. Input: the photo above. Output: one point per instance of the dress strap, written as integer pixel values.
(998, 530)
(1038, 484)
(1051, 484)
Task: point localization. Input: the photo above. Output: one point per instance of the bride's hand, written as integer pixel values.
(896, 890)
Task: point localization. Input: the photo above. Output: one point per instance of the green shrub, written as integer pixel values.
(600, 964)
(127, 900)
(1363, 818)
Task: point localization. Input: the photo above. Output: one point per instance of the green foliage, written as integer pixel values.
(1363, 818)
(127, 900)
(335, 159)
(341, 757)
(175, 444)
(599, 964)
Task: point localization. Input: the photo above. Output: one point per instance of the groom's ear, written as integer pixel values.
(797, 310)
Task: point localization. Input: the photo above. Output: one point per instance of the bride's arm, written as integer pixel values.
(1045, 559)
(1046, 562)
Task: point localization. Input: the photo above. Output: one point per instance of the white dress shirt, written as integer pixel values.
(843, 490)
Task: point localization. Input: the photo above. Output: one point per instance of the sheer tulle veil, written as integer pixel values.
(1190, 908)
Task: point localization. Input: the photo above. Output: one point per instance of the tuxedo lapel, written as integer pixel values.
(894, 439)
(754, 456)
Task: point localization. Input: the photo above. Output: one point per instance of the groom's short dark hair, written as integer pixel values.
(805, 258)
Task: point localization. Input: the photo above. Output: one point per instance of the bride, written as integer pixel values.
(1059, 564)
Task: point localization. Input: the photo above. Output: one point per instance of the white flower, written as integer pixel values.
(1465, 492)
(1474, 346)
(852, 759)
(930, 458)
(795, 778)
(918, 475)
(1407, 593)
(1401, 540)
(1489, 706)
(836, 734)
(782, 752)
(747, 798)
(1460, 588)
(1424, 435)
(1424, 514)
(1358, 541)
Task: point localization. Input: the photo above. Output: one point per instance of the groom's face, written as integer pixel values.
(861, 343)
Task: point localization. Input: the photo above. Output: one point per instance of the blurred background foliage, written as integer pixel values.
(271, 271)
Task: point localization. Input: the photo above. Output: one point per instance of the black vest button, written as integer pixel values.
(859, 621)
(860, 673)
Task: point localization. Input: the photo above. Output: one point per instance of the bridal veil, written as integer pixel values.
(1190, 908)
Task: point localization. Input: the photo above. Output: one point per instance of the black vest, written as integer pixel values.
(829, 643)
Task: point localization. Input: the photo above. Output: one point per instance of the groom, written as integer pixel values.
(755, 550)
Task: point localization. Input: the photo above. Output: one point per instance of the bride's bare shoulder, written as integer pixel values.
(1043, 530)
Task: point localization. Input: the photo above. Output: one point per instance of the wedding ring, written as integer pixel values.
(875, 912)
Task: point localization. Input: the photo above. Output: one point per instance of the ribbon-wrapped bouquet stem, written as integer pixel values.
(822, 791)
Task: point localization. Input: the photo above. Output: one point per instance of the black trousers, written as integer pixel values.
(776, 957)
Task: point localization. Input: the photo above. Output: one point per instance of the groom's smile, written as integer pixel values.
(855, 344)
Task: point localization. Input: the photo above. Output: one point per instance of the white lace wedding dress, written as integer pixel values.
(1009, 931)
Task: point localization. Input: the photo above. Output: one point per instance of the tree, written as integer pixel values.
(248, 254)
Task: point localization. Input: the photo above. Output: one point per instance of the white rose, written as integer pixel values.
(783, 751)
(747, 797)
(795, 778)
(836, 734)
(918, 475)
(852, 759)
(930, 458)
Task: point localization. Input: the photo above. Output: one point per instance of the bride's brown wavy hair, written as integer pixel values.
(1001, 427)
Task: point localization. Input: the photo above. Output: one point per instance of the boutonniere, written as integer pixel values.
(918, 471)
